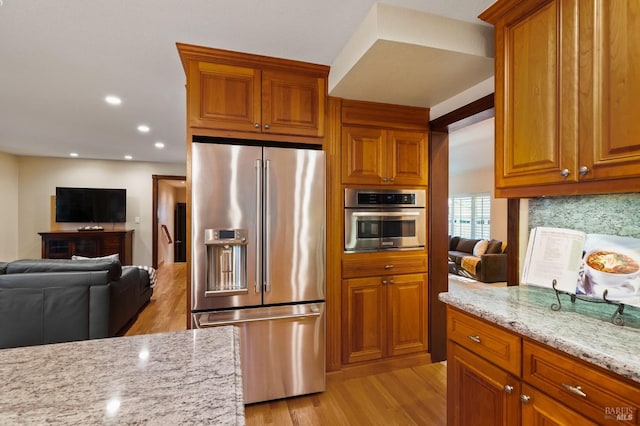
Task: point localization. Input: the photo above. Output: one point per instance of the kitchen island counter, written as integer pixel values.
(186, 377)
(581, 329)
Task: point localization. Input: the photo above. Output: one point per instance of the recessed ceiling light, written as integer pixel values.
(159, 145)
(128, 157)
(113, 100)
(144, 128)
(73, 154)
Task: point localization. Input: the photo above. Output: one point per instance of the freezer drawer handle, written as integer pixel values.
(225, 292)
(246, 320)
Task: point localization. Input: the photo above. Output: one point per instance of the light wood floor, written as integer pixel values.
(409, 391)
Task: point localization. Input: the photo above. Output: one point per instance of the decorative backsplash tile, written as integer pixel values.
(614, 214)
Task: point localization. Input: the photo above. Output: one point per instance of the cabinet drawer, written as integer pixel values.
(589, 390)
(374, 265)
(499, 346)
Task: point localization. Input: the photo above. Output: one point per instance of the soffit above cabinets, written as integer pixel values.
(402, 56)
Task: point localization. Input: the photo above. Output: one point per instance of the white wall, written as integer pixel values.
(39, 176)
(9, 176)
(482, 181)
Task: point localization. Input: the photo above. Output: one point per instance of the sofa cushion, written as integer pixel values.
(480, 248)
(466, 245)
(3, 267)
(113, 268)
(494, 247)
(453, 242)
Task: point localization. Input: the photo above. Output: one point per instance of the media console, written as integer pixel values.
(64, 244)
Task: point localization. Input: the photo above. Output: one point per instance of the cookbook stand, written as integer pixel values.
(616, 317)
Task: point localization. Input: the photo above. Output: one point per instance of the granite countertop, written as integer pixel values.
(581, 329)
(186, 377)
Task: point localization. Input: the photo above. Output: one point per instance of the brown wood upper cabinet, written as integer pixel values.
(245, 95)
(384, 144)
(567, 109)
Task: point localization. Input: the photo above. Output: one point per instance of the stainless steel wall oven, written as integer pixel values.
(376, 219)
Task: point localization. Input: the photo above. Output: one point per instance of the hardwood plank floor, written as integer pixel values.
(406, 391)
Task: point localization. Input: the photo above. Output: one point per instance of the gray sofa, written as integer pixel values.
(54, 300)
(488, 264)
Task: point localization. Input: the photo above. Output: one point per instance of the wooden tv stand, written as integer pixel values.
(64, 244)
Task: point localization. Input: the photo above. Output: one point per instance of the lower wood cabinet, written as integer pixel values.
(64, 244)
(384, 316)
(497, 377)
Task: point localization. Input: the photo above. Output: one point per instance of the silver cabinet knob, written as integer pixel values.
(384, 282)
(388, 266)
(257, 125)
(525, 399)
(565, 172)
(384, 179)
(392, 179)
(266, 126)
(583, 170)
(508, 389)
(391, 281)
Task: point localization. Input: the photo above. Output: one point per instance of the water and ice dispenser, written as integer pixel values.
(226, 261)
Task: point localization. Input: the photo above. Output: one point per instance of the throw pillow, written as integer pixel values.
(111, 257)
(466, 245)
(494, 247)
(480, 248)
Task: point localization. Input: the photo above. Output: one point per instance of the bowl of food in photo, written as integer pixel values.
(611, 268)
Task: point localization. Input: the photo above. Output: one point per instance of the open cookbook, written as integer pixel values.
(593, 265)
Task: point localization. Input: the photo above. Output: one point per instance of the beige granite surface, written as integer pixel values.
(581, 329)
(186, 377)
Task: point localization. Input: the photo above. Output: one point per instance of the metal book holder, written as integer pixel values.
(616, 317)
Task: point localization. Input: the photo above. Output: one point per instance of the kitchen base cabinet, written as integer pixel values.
(384, 316)
(484, 386)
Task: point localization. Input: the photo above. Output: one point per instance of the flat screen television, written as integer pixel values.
(91, 205)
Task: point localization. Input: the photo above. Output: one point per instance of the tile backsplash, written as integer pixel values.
(614, 214)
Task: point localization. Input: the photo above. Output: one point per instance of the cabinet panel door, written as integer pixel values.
(610, 87)
(224, 97)
(363, 155)
(476, 393)
(293, 104)
(364, 303)
(542, 410)
(407, 313)
(407, 157)
(537, 95)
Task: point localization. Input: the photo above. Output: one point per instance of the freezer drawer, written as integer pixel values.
(282, 348)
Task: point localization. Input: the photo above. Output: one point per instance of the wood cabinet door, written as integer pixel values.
(293, 103)
(407, 157)
(223, 97)
(610, 88)
(539, 409)
(363, 155)
(364, 313)
(537, 94)
(407, 313)
(478, 392)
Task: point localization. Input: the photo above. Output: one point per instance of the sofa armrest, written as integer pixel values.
(493, 267)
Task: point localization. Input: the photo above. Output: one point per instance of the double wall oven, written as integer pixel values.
(383, 219)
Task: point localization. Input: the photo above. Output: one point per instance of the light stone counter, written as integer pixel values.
(187, 377)
(582, 329)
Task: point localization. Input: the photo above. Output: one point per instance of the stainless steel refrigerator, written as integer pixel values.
(258, 260)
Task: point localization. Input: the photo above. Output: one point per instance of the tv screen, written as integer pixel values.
(91, 205)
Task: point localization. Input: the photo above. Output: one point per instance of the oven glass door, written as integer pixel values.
(376, 230)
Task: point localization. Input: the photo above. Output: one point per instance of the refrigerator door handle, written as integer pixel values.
(267, 230)
(258, 283)
(259, 319)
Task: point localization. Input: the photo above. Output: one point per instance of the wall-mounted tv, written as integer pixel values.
(91, 205)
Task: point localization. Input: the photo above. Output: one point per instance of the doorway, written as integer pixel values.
(169, 220)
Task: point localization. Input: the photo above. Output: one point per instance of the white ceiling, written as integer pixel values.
(471, 148)
(60, 58)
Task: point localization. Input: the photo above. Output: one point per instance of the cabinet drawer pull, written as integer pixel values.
(474, 338)
(388, 266)
(525, 398)
(577, 390)
(508, 389)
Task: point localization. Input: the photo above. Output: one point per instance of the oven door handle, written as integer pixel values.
(385, 214)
